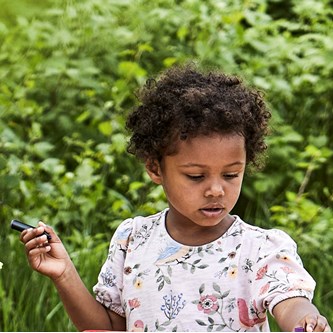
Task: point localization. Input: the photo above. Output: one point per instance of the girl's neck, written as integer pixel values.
(191, 234)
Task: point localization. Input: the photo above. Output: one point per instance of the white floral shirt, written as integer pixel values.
(158, 284)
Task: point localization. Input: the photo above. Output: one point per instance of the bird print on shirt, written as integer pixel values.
(244, 317)
(122, 238)
(172, 252)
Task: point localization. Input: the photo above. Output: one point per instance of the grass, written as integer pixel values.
(29, 301)
(10, 10)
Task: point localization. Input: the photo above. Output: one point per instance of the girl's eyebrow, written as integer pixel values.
(198, 165)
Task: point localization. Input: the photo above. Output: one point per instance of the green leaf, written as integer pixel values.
(52, 166)
(216, 287)
(105, 128)
(200, 322)
(42, 149)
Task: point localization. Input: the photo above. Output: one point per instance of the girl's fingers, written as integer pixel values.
(317, 323)
(31, 233)
(48, 229)
(26, 235)
(328, 328)
(35, 242)
(39, 250)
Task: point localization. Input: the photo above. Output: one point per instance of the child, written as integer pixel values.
(193, 266)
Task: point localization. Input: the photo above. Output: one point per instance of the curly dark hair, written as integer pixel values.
(186, 102)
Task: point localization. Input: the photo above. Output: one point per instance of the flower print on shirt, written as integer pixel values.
(281, 277)
(247, 267)
(232, 254)
(138, 326)
(282, 256)
(138, 283)
(173, 304)
(108, 277)
(212, 305)
(232, 271)
(142, 235)
(138, 275)
(133, 303)
(105, 298)
(128, 270)
(208, 304)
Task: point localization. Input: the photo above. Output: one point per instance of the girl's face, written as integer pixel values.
(202, 183)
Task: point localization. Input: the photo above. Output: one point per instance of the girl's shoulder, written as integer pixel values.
(137, 224)
(255, 236)
(255, 231)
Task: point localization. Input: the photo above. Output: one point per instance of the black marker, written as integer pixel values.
(20, 226)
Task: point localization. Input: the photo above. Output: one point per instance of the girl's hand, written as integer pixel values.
(314, 323)
(46, 257)
(301, 311)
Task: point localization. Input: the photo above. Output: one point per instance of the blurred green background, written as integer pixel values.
(68, 75)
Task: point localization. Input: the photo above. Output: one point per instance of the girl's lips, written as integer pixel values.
(212, 212)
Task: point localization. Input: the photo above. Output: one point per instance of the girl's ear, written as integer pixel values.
(154, 171)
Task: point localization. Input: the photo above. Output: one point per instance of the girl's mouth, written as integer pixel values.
(212, 212)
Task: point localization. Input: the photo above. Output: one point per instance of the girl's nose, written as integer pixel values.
(215, 190)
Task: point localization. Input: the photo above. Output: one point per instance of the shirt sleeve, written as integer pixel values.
(279, 273)
(110, 279)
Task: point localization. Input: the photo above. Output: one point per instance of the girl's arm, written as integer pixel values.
(50, 258)
(299, 312)
(85, 312)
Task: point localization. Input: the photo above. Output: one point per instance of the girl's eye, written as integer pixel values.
(195, 177)
(230, 175)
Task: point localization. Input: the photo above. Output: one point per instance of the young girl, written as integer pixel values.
(193, 266)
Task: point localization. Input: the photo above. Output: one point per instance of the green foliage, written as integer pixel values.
(68, 75)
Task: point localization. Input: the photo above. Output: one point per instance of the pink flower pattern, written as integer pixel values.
(208, 304)
(133, 303)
